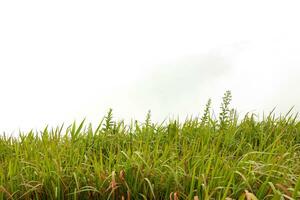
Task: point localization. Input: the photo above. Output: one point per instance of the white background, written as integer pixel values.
(66, 60)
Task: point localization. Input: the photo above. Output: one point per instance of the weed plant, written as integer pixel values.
(200, 158)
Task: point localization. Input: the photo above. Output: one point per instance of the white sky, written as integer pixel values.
(65, 60)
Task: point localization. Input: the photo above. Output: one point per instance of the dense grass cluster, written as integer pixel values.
(200, 158)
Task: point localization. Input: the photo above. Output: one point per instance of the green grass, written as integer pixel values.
(200, 158)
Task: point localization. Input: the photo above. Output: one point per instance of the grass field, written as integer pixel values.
(199, 158)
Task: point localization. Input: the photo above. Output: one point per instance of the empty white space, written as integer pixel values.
(65, 60)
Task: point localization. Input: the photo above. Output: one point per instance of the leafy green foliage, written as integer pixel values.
(201, 158)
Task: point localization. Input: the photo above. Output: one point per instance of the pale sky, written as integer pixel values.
(65, 60)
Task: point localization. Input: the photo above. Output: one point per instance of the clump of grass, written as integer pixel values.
(200, 158)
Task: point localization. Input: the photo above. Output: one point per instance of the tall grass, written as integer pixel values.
(200, 158)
